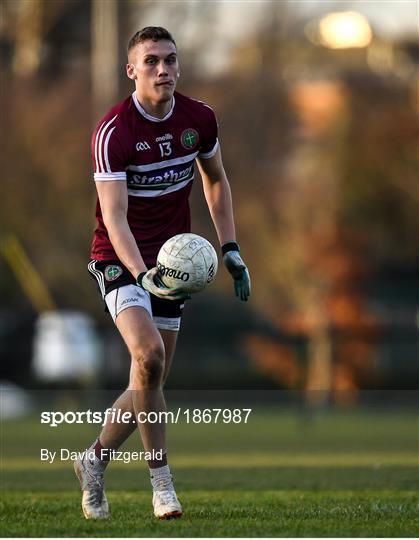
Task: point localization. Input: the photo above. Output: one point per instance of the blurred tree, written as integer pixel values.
(105, 56)
(322, 167)
(50, 206)
(324, 193)
(28, 40)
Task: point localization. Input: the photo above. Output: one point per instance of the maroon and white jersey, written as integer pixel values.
(155, 157)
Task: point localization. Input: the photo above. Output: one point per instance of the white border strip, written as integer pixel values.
(167, 323)
(107, 177)
(207, 155)
(163, 164)
(160, 192)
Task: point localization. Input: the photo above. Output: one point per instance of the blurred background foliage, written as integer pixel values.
(320, 146)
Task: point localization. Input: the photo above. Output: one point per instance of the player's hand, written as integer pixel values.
(238, 270)
(150, 281)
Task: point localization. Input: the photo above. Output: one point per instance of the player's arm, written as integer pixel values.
(218, 196)
(113, 198)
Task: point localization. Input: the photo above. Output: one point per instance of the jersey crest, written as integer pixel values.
(189, 138)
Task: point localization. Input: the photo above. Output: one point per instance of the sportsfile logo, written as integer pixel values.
(172, 272)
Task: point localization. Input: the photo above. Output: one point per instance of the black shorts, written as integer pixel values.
(111, 276)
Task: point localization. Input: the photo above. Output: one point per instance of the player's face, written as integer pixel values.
(155, 69)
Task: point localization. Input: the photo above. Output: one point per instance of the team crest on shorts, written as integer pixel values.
(189, 138)
(112, 272)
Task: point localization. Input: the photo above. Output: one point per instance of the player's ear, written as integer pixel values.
(131, 72)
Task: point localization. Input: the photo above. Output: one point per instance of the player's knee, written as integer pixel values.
(150, 364)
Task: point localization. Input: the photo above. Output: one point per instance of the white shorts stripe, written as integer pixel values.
(95, 275)
(101, 279)
(98, 275)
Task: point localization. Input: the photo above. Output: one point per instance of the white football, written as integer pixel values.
(187, 261)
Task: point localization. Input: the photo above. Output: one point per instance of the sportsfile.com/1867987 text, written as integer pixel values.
(113, 415)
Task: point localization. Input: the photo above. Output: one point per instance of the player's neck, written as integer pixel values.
(156, 109)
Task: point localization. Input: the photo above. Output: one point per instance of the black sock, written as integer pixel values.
(157, 463)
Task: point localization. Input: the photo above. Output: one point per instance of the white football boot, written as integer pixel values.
(165, 502)
(90, 474)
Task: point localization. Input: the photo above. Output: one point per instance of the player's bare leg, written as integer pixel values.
(147, 351)
(90, 470)
(114, 434)
(144, 394)
(169, 339)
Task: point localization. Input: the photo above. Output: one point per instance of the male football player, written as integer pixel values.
(144, 150)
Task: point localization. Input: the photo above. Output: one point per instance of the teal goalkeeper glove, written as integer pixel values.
(150, 281)
(238, 270)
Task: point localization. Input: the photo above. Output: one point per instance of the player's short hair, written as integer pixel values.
(155, 33)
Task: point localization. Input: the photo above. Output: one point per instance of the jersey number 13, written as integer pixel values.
(165, 149)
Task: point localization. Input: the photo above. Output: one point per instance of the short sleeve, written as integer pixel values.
(107, 152)
(209, 139)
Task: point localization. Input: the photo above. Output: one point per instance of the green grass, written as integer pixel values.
(348, 475)
(220, 513)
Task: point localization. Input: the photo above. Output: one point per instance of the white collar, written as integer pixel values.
(142, 111)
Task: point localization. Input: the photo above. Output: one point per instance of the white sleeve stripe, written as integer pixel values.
(103, 176)
(211, 153)
(98, 145)
(108, 136)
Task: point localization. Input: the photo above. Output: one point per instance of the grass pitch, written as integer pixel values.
(341, 475)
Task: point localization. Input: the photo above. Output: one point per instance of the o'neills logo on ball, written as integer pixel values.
(172, 272)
